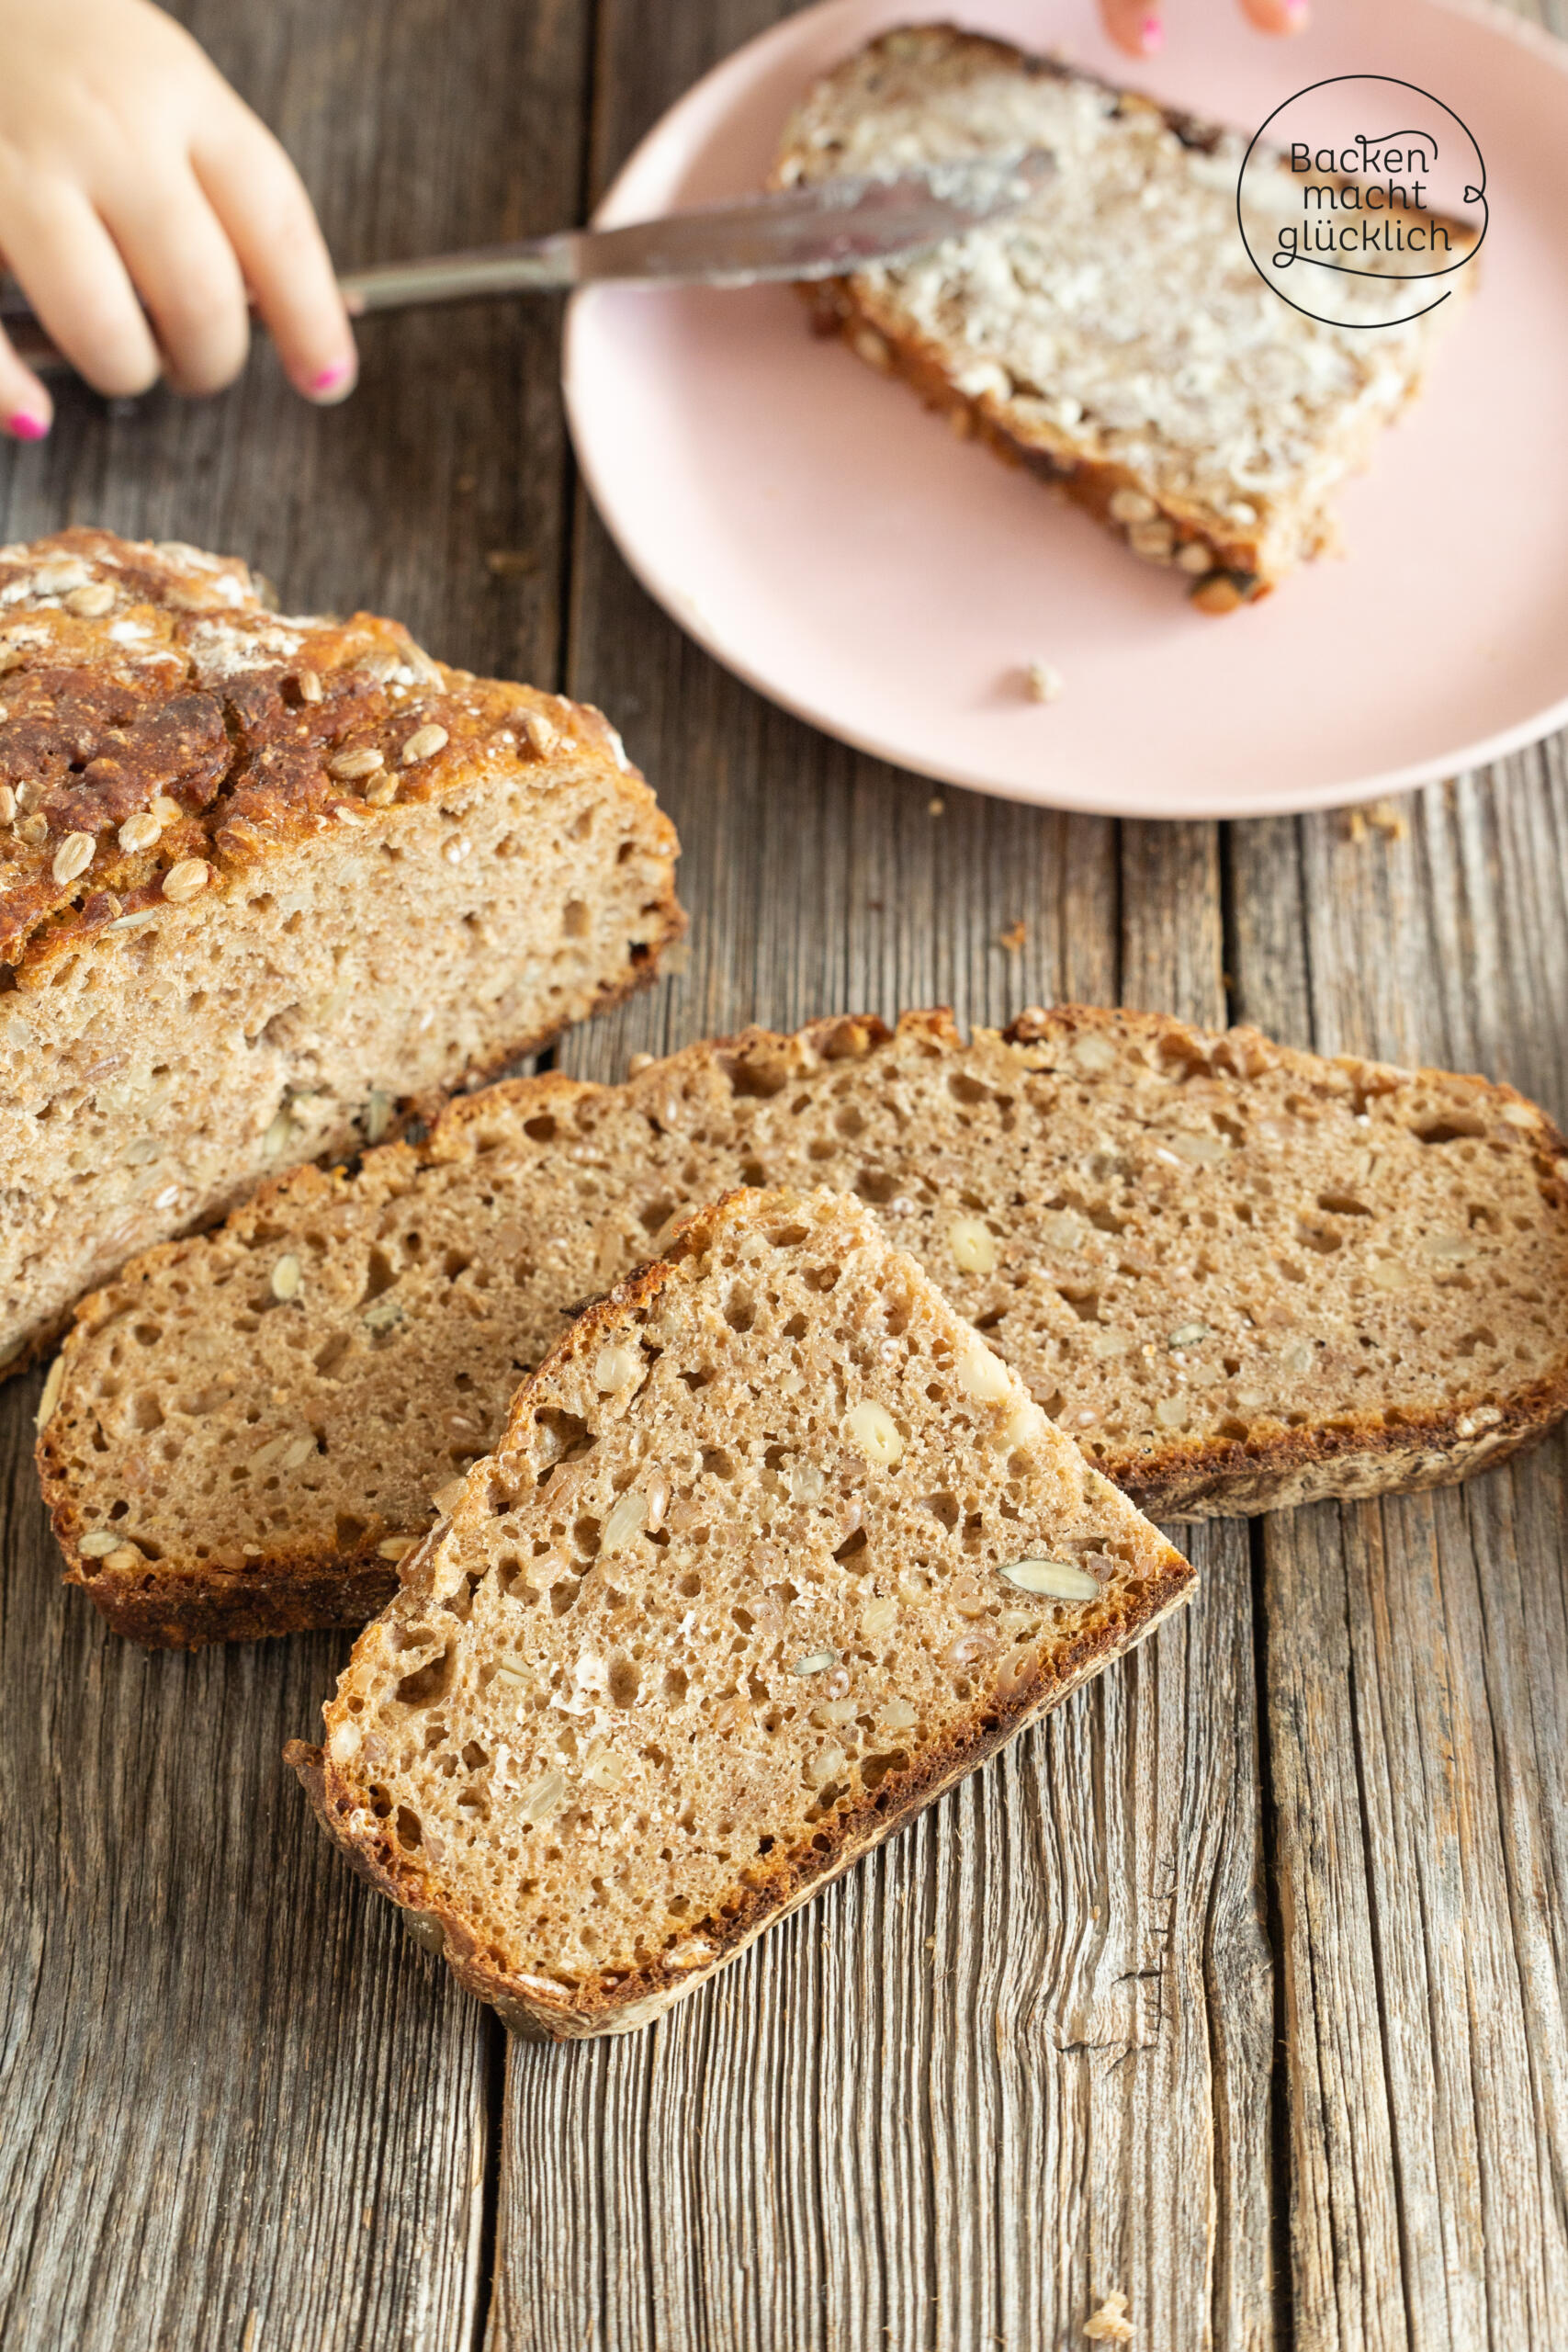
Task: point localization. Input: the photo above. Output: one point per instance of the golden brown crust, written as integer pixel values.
(793, 1877)
(164, 734)
(154, 684)
(1346, 1463)
(181, 1612)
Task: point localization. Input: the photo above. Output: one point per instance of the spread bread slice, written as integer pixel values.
(771, 1550)
(1240, 1276)
(1114, 335)
(264, 882)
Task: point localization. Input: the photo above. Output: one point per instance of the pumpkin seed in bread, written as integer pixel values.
(771, 1550)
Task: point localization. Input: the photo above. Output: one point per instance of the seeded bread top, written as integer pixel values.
(161, 729)
(1116, 320)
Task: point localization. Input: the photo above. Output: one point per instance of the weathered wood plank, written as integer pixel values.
(233, 2098)
(1021, 2055)
(1416, 1653)
(1018, 2058)
(236, 2108)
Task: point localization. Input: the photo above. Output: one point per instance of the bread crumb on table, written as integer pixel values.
(1110, 2323)
(1042, 684)
(1384, 817)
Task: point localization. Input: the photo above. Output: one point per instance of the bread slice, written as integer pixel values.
(1114, 336)
(1240, 1276)
(772, 1550)
(265, 883)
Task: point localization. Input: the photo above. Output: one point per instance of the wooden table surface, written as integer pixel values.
(1238, 1985)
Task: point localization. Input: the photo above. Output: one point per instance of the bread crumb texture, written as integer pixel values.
(728, 1602)
(262, 881)
(1238, 1276)
(1114, 333)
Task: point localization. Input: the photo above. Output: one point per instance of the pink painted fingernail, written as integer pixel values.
(1151, 35)
(25, 426)
(331, 377)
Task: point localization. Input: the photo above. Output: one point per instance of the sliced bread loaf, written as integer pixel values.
(1240, 1276)
(773, 1549)
(264, 882)
(1114, 336)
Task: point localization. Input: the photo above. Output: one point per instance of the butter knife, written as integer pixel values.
(821, 230)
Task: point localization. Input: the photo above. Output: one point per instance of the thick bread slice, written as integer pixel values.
(1240, 1276)
(264, 882)
(1114, 336)
(773, 1549)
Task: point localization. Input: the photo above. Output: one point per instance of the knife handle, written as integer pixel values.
(539, 263)
(535, 266)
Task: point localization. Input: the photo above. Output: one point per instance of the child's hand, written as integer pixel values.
(1138, 26)
(130, 169)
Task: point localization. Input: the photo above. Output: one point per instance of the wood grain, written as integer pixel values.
(1416, 1651)
(230, 2099)
(1021, 2056)
(238, 2109)
(1238, 1984)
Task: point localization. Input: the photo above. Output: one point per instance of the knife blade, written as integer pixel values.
(823, 230)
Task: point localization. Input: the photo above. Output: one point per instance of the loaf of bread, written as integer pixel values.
(1114, 336)
(1240, 1276)
(773, 1549)
(265, 885)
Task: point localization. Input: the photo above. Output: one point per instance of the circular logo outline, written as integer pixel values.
(1472, 195)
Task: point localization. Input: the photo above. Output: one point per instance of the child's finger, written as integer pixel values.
(1137, 27)
(259, 198)
(67, 265)
(186, 272)
(26, 409)
(1276, 15)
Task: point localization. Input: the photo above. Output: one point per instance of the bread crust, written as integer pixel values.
(161, 729)
(636, 1998)
(189, 687)
(291, 1589)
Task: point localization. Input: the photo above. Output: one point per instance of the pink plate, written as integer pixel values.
(833, 543)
